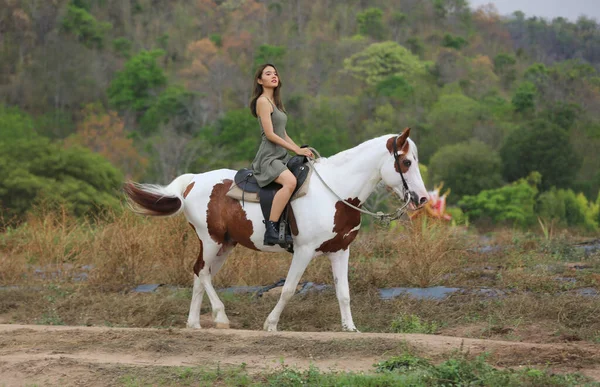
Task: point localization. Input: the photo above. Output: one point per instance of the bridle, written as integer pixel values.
(406, 197)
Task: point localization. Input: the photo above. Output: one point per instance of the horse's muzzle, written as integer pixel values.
(416, 201)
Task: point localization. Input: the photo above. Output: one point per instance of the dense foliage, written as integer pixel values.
(170, 82)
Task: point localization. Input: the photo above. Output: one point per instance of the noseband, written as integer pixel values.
(397, 163)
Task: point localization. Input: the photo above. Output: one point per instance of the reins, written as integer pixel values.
(380, 216)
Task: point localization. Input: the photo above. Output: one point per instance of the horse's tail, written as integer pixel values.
(157, 200)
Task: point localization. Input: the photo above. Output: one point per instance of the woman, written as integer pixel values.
(269, 163)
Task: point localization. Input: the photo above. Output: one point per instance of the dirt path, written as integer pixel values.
(59, 355)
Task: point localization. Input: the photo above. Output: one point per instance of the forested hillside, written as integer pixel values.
(95, 91)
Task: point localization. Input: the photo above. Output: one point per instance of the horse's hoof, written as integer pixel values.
(270, 327)
(193, 325)
(222, 325)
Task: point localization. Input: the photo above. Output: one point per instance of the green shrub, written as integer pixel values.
(513, 203)
(410, 323)
(569, 208)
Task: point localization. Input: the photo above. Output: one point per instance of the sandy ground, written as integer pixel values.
(99, 356)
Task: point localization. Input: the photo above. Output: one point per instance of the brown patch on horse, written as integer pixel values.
(226, 220)
(199, 265)
(148, 203)
(390, 144)
(401, 141)
(403, 148)
(344, 222)
(188, 189)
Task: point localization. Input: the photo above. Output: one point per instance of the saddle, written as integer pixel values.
(246, 189)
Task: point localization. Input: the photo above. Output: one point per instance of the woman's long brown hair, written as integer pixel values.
(258, 90)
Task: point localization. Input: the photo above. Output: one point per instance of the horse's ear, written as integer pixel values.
(403, 137)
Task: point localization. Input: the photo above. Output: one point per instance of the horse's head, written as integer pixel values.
(401, 172)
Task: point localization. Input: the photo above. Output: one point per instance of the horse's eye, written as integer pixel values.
(407, 163)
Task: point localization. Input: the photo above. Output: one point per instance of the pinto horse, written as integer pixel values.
(324, 224)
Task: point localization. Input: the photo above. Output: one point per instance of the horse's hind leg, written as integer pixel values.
(339, 267)
(197, 295)
(213, 262)
(198, 291)
(210, 260)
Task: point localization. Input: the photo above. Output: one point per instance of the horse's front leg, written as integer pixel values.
(339, 267)
(302, 257)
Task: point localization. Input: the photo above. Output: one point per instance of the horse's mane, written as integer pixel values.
(349, 153)
(342, 156)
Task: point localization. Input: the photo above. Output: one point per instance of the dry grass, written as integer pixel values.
(131, 250)
(429, 251)
(124, 249)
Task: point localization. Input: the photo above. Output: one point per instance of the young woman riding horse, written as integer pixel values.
(269, 163)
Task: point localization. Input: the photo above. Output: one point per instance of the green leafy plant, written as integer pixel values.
(410, 323)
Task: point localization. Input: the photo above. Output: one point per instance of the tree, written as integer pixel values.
(504, 66)
(416, 46)
(543, 147)
(397, 22)
(15, 124)
(85, 27)
(395, 87)
(466, 168)
(268, 54)
(239, 132)
(136, 86)
(381, 60)
(209, 69)
(370, 23)
(524, 98)
(455, 42)
(325, 125)
(173, 102)
(451, 120)
(482, 79)
(36, 170)
(563, 114)
(122, 47)
(104, 133)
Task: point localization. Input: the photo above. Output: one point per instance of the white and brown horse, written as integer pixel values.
(323, 223)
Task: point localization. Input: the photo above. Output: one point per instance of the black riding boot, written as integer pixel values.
(271, 234)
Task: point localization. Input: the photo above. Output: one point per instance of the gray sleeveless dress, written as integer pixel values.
(271, 158)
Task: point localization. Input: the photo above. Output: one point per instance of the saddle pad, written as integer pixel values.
(236, 192)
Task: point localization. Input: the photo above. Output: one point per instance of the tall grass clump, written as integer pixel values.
(426, 251)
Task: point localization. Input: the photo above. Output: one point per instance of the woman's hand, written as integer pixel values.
(305, 152)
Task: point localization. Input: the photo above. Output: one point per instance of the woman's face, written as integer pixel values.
(269, 78)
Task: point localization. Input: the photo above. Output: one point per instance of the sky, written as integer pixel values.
(570, 9)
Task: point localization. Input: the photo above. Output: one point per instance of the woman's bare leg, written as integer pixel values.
(282, 197)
